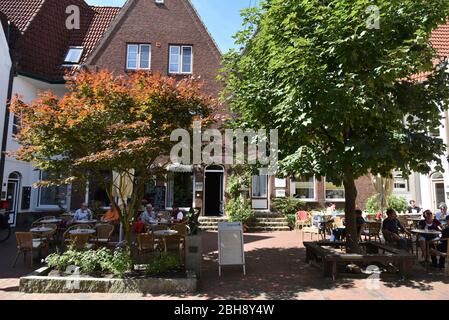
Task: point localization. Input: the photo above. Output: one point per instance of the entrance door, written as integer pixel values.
(213, 191)
(12, 197)
(439, 193)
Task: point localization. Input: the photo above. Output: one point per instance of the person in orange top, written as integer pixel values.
(112, 215)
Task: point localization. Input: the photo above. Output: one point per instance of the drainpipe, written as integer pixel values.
(7, 115)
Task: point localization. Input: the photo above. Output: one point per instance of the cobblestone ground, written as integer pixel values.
(276, 269)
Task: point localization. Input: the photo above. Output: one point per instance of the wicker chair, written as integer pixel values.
(80, 241)
(175, 243)
(145, 243)
(66, 235)
(103, 234)
(303, 219)
(436, 252)
(26, 244)
(372, 230)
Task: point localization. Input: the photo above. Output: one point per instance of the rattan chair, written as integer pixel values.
(303, 219)
(103, 234)
(66, 235)
(372, 230)
(175, 243)
(26, 244)
(145, 243)
(80, 241)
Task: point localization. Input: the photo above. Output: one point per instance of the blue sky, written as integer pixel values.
(222, 17)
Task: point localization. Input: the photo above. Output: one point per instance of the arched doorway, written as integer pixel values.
(214, 191)
(438, 192)
(12, 196)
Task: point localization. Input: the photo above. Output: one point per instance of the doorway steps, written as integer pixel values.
(263, 222)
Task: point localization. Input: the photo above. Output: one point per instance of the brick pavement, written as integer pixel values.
(276, 269)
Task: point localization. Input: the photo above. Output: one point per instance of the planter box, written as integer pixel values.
(40, 282)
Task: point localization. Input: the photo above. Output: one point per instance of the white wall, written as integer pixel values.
(5, 67)
(27, 89)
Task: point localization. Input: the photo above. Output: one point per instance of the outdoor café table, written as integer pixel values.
(82, 231)
(40, 230)
(56, 221)
(423, 232)
(163, 234)
(415, 221)
(93, 221)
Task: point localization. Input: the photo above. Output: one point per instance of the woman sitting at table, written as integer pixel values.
(441, 214)
(112, 215)
(441, 248)
(83, 213)
(430, 223)
(149, 215)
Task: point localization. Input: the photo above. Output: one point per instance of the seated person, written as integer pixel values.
(413, 208)
(441, 247)
(83, 213)
(390, 229)
(428, 224)
(440, 215)
(177, 215)
(112, 215)
(340, 233)
(149, 215)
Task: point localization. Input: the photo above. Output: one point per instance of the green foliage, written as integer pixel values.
(238, 181)
(291, 218)
(288, 206)
(338, 91)
(163, 264)
(399, 204)
(239, 210)
(92, 262)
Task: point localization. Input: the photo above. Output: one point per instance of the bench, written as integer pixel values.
(330, 259)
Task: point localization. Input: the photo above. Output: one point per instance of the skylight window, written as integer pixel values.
(73, 55)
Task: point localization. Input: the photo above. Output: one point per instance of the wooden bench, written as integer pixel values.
(330, 259)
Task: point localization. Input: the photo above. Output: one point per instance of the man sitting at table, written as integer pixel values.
(390, 229)
(83, 213)
(428, 224)
(441, 248)
(149, 216)
(340, 233)
(413, 207)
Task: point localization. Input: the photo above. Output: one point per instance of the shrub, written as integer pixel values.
(291, 218)
(163, 264)
(239, 210)
(288, 206)
(92, 262)
(394, 202)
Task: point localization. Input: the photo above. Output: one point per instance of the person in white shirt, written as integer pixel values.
(177, 215)
(83, 213)
(149, 216)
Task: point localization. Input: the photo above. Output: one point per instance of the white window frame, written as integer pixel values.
(139, 60)
(51, 206)
(252, 187)
(293, 190)
(398, 175)
(67, 54)
(180, 57)
(333, 199)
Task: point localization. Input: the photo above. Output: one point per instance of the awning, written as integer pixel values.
(179, 168)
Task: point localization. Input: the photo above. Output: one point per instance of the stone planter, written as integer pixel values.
(40, 282)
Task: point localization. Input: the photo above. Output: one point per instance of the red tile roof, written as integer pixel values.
(40, 39)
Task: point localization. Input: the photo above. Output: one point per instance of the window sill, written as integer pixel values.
(335, 200)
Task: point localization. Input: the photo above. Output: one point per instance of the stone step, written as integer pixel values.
(268, 229)
(269, 224)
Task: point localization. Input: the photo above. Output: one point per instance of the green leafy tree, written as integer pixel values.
(342, 92)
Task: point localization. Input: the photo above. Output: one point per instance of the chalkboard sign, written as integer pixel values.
(159, 199)
(230, 245)
(26, 198)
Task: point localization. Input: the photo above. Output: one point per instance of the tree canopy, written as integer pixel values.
(344, 96)
(108, 123)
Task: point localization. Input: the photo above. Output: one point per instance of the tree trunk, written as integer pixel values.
(352, 240)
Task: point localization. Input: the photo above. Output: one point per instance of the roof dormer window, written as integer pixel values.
(73, 55)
